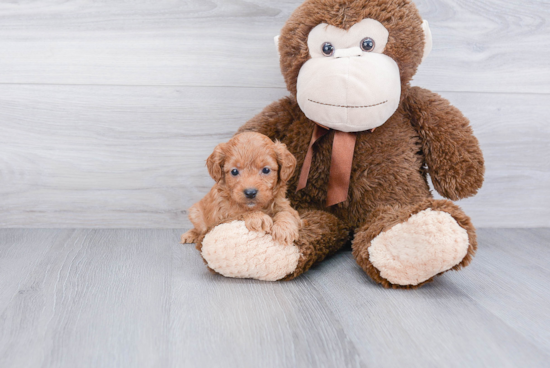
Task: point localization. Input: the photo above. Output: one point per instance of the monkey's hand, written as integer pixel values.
(452, 153)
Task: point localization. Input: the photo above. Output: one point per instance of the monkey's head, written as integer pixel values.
(347, 62)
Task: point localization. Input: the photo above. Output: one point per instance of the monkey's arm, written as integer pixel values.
(273, 120)
(451, 151)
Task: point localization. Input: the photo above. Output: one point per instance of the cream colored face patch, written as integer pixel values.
(349, 84)
(342, 39)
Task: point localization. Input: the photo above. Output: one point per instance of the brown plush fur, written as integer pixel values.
(390, 166)
(269, 211)
(321, 236)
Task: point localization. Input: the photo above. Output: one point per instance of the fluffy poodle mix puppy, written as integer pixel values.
(251, 172)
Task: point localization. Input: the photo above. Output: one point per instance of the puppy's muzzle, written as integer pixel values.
(250, 193)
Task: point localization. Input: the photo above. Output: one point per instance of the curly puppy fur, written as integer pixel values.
(426, 135)
(249, 162)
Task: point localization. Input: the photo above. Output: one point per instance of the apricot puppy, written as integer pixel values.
(251, 172)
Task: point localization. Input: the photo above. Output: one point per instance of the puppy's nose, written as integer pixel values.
(250, 193)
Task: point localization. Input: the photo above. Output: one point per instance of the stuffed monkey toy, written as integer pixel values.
(365, 142)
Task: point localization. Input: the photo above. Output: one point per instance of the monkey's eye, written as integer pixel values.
(367, 44)
(234, 172)
(327, 49)
(266, 170)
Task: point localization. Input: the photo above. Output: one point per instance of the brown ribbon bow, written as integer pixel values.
(340, 166)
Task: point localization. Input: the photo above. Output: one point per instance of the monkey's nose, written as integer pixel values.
(352, 51)
(250, 193)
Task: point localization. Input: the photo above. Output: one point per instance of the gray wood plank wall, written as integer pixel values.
(108, 110)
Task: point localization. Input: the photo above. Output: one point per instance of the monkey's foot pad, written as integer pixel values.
(414, 251)
(234, 251)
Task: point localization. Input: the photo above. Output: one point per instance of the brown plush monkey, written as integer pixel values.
(364, 141)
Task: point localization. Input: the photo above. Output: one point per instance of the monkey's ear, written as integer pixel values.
(427, 39)
(215, 162)
(276, 40)
(286, 162)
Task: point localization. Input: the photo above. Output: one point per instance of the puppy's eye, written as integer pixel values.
(367, 44)
(327, 49)
(266, 170)
(234, 172)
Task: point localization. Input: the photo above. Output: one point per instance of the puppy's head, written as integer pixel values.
(252, 169)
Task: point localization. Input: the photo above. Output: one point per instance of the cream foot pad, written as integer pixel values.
(234, 251)
(426, 244)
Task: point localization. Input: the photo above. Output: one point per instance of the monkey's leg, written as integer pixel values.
(406, 246)
(233, 251)
(322, 235)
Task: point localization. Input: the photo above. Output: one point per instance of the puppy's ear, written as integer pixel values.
(286, 162)
(215, 161)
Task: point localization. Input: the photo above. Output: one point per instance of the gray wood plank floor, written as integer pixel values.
(136, 298)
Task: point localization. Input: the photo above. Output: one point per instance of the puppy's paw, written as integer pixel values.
(284, 233)
(189, 237)
(258, 221)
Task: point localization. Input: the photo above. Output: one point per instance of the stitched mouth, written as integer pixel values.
(348, 107)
